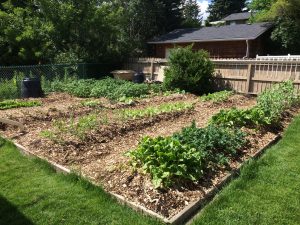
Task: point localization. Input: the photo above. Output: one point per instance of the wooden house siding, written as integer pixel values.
(217, 49)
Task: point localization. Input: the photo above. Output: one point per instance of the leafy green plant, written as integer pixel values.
(78, 128)
(91, 103)
(152, 111)
(240, 117)
(217, 97)
(53, 136)
(187, 154)
(212, 139)
(271, 104)
(189, 70)
(274, 101)
(113, 89)
(9, 104)
(166, 160)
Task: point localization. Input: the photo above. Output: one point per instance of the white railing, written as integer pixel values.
(279, 57)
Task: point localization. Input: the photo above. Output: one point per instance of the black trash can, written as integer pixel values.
(139, 78)
(31, 88)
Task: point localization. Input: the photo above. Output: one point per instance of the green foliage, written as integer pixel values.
(216, 141)
(271, 104)
(217, 97)
(187, 154)
(92, 103)
(78, 128)
(152, 111)
(265, 185)
(9, 104)
(167, 159)
(191, 14)
(276, 100)
(286, 17)
(188, 70)
(109, 88)
(54, 31)
(218, 9)
(10, 88)
(241, 117)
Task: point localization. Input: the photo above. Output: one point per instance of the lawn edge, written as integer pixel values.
(190, 212)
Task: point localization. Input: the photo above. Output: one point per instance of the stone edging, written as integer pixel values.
(188, 212)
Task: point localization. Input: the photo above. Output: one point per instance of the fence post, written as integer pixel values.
(249, 78)
(152, 68)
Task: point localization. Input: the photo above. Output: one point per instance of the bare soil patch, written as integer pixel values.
(100, 157)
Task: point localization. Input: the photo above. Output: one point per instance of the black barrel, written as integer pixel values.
(31, 88)
(139, 78)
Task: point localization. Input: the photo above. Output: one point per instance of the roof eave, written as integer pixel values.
(193, 41)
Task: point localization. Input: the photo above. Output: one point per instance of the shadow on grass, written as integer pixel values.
(9, 214)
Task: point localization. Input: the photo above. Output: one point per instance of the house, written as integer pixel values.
(237, 18)
(241, 40)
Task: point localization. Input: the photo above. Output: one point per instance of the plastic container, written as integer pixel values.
(31, 88)
(139, 78)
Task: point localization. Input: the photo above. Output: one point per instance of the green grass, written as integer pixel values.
(268, 190)
(10, 104)
(32, 193)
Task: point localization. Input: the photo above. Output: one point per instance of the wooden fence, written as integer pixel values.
(243, 76)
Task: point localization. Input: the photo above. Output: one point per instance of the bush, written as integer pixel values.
(189, 71)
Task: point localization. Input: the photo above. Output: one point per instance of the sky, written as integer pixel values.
(203, 5)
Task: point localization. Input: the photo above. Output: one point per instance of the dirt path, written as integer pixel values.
(100, 169)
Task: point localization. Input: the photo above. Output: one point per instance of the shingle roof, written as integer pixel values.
(238, 16)
(222, 33)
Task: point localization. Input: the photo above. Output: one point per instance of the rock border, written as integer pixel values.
(190, 212)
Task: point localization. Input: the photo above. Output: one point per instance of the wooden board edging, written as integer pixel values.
(57, 167)
(190, 212)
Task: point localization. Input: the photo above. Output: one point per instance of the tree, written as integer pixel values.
(218, 9)
(24, 37)
(144, 19)
(55, 31)
(191, 14)
(286, 17)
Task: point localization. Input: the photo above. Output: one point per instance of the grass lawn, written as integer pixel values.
(268, 190)
(32, 193)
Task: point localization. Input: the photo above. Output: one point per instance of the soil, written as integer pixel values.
(100, 157)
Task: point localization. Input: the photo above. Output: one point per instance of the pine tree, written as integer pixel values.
(191, 14)
(219, 9)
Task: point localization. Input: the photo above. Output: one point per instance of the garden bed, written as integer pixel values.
(100, 156)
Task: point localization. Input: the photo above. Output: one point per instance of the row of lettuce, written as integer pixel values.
(194, 152)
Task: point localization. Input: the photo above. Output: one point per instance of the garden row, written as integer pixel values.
(85, 88)
(81, 126)
(193, 152)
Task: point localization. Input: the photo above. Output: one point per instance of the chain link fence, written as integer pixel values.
(11, 76)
